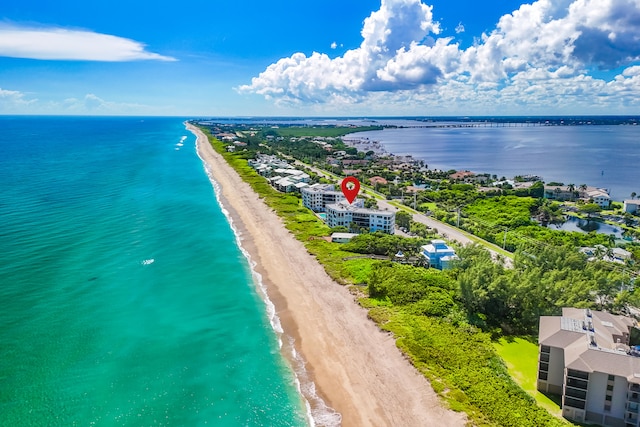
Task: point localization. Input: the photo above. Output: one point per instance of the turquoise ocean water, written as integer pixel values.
(124, 297)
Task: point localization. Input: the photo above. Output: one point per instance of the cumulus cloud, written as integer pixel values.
(12, 101)
(395, 27)
(540, 54)
(64, 44)
(459, 28)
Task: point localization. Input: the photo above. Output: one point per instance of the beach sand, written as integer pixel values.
(356, 368)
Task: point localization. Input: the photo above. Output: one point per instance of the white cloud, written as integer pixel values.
(334, 45)
(12, 101)
(538, 56)
(64, 44)
(459, 28)
(317, 78)
(16, 102)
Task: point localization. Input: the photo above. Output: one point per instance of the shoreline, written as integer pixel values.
(451, 153)
(354, 367)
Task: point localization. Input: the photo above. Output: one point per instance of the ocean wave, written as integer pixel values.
(319, 414)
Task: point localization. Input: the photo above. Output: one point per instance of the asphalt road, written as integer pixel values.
(447, 231)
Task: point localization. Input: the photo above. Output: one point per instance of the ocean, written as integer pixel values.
(125, 298)
(605, 156)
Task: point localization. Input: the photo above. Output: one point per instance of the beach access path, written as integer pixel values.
(356, 368)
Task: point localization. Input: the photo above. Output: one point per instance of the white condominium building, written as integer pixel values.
(591, 359)
(317, 196)
(344, 214)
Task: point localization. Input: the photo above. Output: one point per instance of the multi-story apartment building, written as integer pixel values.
(344, 214)
(317, 196)
(590, 359)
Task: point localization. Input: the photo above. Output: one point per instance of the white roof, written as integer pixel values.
(343, 235)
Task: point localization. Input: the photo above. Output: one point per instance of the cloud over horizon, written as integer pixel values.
(547, 53)
(72, 45)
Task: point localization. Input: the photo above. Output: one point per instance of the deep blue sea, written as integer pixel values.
(606, 156)
(124, 296)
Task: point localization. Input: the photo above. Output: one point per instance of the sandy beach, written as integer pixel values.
(356, 368)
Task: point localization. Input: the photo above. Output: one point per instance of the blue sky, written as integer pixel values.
(320, 58)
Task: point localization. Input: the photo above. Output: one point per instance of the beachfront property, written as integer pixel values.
(631, 206)
(281, 175)
(317, 196)
(265, 164)
(592, 360)
(439, 254)
(343, 214)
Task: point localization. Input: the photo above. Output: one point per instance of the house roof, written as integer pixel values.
(347, 236)
(377, 180)
(461, 174)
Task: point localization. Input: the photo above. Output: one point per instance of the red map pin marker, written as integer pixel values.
(350, 192)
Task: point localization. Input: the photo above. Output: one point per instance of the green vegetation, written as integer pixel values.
(322, 131)
(521, 357)
(445, 321)
(463, 368)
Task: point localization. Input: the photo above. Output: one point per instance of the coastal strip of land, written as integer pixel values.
(356, 368)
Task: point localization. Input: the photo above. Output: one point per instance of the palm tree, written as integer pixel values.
(633, 195)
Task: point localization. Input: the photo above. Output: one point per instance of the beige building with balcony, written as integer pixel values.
(585, 357)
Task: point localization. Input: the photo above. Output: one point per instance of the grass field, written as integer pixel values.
(521, 357)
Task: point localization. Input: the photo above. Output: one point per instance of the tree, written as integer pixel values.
(403, 219)
(633, 195)
(370, 203)
(590, 208)
(537, 190)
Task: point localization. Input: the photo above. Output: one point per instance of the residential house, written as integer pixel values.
(560, 192)
(375, 180)
(461, 175)
(631, 206)
(600, 197)
(439, 254)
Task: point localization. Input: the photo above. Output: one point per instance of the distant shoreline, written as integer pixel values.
(601, 156)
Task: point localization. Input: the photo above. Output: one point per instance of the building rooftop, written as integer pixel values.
(593, 341)
(344, 206)
(322, 188)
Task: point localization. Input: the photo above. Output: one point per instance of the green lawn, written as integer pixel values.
(521, 357)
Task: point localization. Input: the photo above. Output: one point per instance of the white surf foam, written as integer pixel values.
(318, 413)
